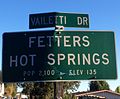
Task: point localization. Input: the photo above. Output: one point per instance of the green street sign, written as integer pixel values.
(56, 56)
(53, 19)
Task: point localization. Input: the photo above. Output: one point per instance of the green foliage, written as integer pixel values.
(37, 89)
(27, 87)
(117, 89)
(69, 96)
(98, 85)
(46, 89)
(70, 86)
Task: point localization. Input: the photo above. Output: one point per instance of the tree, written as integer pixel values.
(71, 86)
(46, 89)
(117, 89)
(35, 89)
(27, 87)
(10, 89)
(98, 85)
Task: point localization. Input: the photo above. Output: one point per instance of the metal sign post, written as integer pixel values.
(58, 88)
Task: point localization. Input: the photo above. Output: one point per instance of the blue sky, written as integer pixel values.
(104, 15)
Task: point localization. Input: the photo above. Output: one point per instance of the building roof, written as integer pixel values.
(95, 92)
(93, 96)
